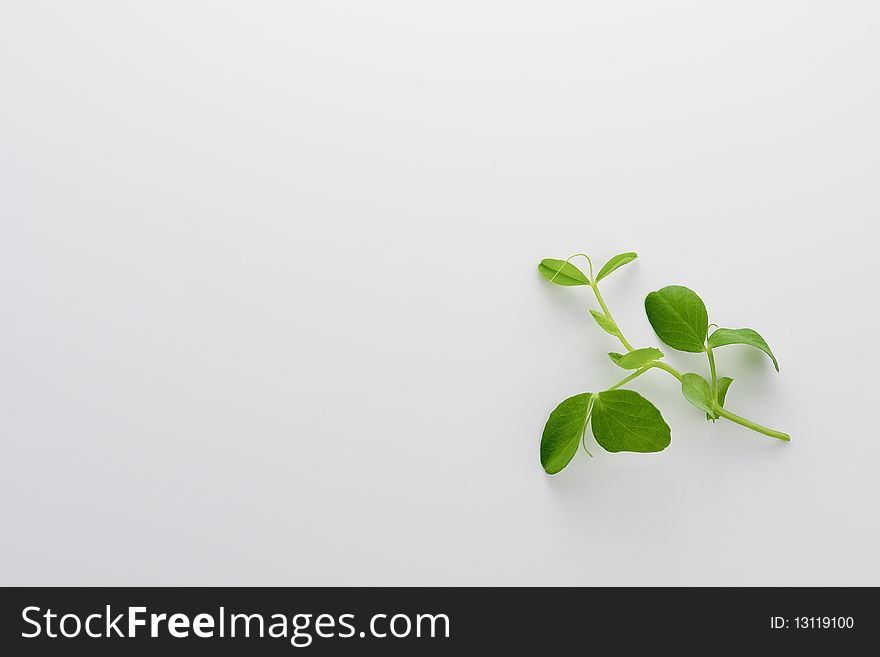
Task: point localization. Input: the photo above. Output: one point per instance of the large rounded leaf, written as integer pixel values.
(563, 432)
(679, 317)
(624, 421)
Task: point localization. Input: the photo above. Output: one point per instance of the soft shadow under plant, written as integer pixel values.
(623, 420)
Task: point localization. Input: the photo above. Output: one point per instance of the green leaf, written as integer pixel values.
(638, 358)
(698, 392)
(617, 261)
(721, 386)
(615, 357)
(562, 273)
(563, 432)
(606, 324)
(679, 317)
(725, 336)
(624, 421)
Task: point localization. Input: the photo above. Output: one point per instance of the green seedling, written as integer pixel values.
(623, 420)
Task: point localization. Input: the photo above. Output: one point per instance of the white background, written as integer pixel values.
(269, 310)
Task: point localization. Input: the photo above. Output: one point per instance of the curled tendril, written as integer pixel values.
(576, 255)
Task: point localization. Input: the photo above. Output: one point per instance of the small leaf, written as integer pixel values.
(725, 336)
(563, 432)
(698, 392)
(562, 272)
(615, 357)
(624, 421)
(678, 317)
(721, 386)
(617, 261)
(638, 358)
(606, 324)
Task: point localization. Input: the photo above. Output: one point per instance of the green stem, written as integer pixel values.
(712, 367)
(586, 422)
(733, 417)
(667, 368)
(607, 312)
(754, 426)
(632, 376)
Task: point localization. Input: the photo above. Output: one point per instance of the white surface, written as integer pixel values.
(270, 312)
